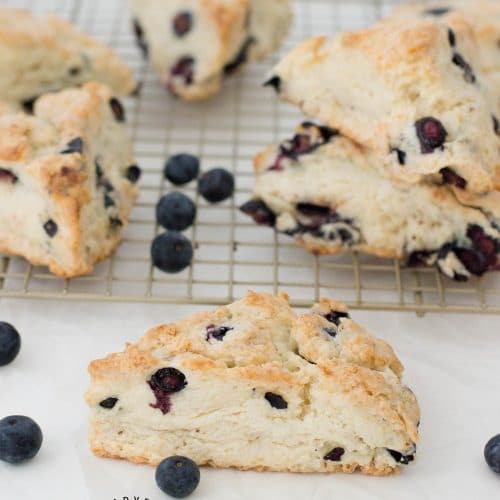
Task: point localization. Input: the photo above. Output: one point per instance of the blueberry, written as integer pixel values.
(108, 201)
(20, 439)
(276, 401)
(334, 455)
(29, 104)
(108, 403)
(465, 66)
(164, 383)
(175, 211)
(452, 178)
(133, 173)
(117, 109)
(438, 11)
(431, 134)
(115, 223)
(275, 83)
(171, 252)
(400, 458)
(330, 331)
(10, 343)
(400, 154)
(139, 35)
(50, 228)
(241, 57)
(452, 37)
(184, 69)
(259, 212)
(217, 332)
(182, 168)
(182, 23)
(335, 317)
(216, 185)
(492, 453)
(7, 176)
(496, 125)
(177, 476)
(73, 146)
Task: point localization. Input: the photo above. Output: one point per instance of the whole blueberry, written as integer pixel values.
(171, 252)
(10, 343)
(20, 439)
(492, 453)
(177, 476)
(216, 185)
(175, 211)
(182, 168)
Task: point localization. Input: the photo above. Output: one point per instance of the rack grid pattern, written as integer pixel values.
(232, 254)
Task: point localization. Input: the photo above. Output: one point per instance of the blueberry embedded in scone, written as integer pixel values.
(413, 90)
(330, 198)
(45, 54)
(253, 385)
(194, 46)
(67, 179)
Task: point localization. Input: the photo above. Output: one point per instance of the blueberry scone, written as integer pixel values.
(410, 90)
(322, 189)
(194, 44)
(255, 386)
(67, 179)
(44, 54)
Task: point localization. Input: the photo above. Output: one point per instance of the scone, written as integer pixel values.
(323, 190)
(255, 386)
(44, 54)
(193, 44)
(482, 15)
(67, 179)
(410, 90)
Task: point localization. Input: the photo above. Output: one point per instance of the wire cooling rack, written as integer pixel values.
(232, 254)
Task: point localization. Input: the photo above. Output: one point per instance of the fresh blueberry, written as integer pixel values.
(334, 455)
(171, 252)
(7, 176)
(50, 228)
(182, 168)
(133, 173)
(276, 401)
(175, 211)
(20, 439)
(492, 453)
(259, 212)
(177, 476)
(10, 343)
(117, 109)
(216, 185)
(182, 23)
(108, 403)
(431, 134)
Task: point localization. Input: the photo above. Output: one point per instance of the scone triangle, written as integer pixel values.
(255, 386)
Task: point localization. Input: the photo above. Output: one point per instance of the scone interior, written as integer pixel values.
(44, 54)
(194, 44)
(410, 89)
(255, 386)
(322, 189)
(67, 179)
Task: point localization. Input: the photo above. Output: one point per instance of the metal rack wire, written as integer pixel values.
(231, 253)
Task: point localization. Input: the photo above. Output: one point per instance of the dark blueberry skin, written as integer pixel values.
(400, 458)
(452, 178)
(430, 133)
(331, 332)
(492, 453)
(184, 69)
(133, 174)
(115, 223)
(438, 11)
(259, 212)
(182, 23)
(10, 343)
(177, 476)
(29, 104)
(164, 383)
(462, 63)
(175, 211)
(241, 57)
(139, 35)
(182, 168)
(117, 109)
(334, 455)
(216, 185)
(171, 252)
(73, 146)
(20, 439)
(108, 201)
(217, 332)
(276, 401)
(7, 176)
(401, 155)
(336, 316)
(452, 37)
(275, 83)
(50, 228)
(108, 403)
(496, 124)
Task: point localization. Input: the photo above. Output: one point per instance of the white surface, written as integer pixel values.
(451, 364)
